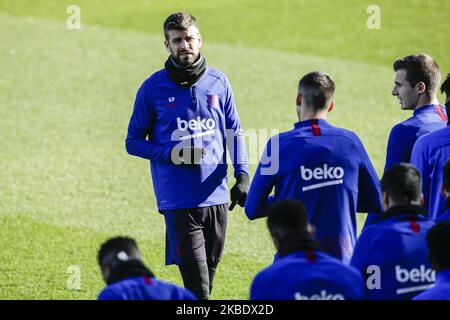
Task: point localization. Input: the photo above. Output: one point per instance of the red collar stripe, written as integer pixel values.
(439, 111)
(315, 127)
(415, 227)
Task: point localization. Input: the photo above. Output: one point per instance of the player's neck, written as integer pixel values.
(313, 116)
(425, 101)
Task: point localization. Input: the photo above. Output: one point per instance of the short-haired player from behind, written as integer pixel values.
(392, 254)
(325, 167)
(445, 216)
(127, 277)
(445, 88)
(302, 271)
(438, 240)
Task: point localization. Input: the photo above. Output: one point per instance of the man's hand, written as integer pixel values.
(239, 192)
(190, 156)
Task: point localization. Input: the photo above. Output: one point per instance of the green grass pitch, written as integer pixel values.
(66, 182)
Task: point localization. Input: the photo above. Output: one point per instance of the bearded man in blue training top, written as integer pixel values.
(188, 113)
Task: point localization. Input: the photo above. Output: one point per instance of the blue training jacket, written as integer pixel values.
(308, 275)
(401, 141)
(429, 155)
(144, 288)
(441, 290)
(170, 115)
(393, 255)
(404, 135)
(328, 169)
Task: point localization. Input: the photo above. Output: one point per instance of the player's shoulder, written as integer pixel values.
(217, 75)
(435, 138)
(155, 78)
(111, 292)
(347, 135)
(153, 81)
(175, 292)
(371, 234)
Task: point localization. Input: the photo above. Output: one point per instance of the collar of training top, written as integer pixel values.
(128, 269)
(307, 123)
(412, 211)
(426, 108)
(185, 76)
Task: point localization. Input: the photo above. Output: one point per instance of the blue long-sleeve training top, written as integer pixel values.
(328, 169)
(393, 256)
(401, 141)
(429, 155)
(166, 115)
(144, 288)
(404, 135)
(308, 275)
(440, 291)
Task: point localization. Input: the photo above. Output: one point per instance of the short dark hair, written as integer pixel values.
(445, 86)
(403, 183)
(446, 181)
(116, 245)
(179, 21)
(317, 89)
(438, 239)
(290, 216)
(420, 68)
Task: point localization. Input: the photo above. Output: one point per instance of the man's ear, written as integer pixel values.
(421, 87)
(422, 199)
(311, 229)
(444, 192)
(299, 100)
(166, 45)
(200, 40)
(330, 108)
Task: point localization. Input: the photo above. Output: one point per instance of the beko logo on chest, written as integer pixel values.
(333, 175)
(196, 124)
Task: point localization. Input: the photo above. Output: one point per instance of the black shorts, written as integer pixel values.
(196, 234)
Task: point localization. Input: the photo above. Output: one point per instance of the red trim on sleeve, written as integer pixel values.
(315, 127)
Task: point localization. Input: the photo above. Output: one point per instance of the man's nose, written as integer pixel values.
(184, 44)
(394, 92)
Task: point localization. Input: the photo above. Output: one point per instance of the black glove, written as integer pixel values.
(190, 156)
(239, 192)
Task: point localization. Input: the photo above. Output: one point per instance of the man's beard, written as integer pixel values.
(189, 59)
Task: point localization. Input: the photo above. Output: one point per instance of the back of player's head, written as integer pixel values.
(117, 249)
(438, 240)
(420, 68)
(287, 216)
(181, 21)
(317, 90)
(403, 183)
(446, 181)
